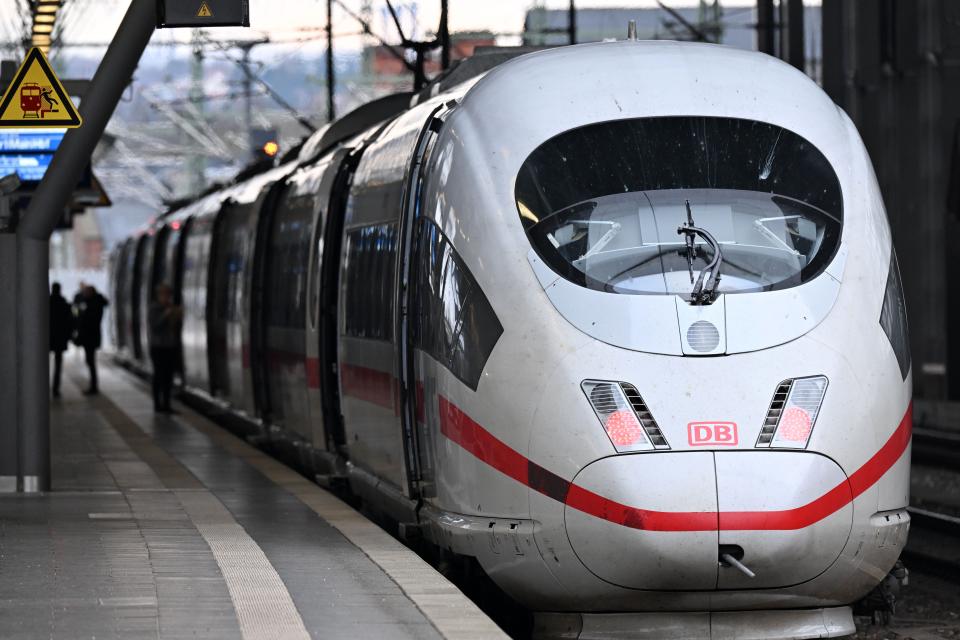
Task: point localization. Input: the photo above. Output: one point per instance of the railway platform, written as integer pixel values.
(170, 527)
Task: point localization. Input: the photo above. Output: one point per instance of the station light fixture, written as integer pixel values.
(271, 148)
(264, 144)
(44, 20)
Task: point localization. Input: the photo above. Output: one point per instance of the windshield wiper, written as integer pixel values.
(701, 294)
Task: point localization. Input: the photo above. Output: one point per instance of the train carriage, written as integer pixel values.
(620, 321)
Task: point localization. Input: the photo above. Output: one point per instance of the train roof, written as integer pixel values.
(527, 100)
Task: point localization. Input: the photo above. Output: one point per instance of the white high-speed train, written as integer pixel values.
(622, 321)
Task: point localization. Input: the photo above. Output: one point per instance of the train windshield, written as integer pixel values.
(602, 204)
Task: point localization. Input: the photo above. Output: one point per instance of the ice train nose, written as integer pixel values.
(664, 520)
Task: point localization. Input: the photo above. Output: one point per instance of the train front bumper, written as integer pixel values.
(663, 521)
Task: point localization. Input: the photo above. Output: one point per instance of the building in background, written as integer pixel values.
(730, 26)
(894, 67)
(388, 72)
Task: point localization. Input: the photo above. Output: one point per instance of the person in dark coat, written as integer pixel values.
(165, 319)
(89, 309)
(61, 330)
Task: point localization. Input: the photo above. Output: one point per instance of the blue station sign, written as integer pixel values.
(28, 152)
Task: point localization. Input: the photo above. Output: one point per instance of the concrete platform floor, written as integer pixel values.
(170, 527)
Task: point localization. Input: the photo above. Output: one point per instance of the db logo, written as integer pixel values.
(702, 434)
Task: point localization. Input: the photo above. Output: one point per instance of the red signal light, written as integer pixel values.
(175, 226)
(795, 425)
(623, 428)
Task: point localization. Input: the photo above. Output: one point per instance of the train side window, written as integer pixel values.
(453, 321)
(289, 255)
(369, 274)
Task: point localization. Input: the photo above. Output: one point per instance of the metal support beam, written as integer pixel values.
(444, 34)
(9, 441)
(766, 27)
(33, 344)
(331, 80)
(572, 22)
(247, 81)
(33, 236)
(795, 53)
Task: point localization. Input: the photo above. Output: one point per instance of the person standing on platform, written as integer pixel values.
(89, 309)
(61, 330)
(165, 319)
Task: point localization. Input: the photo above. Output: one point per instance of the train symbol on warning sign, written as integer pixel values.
(37, 100)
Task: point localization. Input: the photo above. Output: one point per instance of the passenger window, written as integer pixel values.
(290, 234)
(369, 274)
(453, 321)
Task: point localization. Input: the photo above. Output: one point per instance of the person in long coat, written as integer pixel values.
(165, 318)
(61, 330)
(89, 308)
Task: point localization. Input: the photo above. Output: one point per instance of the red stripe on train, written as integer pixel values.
(461, 429)
(313, 373)
(369, 385)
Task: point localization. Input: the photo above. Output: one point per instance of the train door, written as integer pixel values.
(292, 298)
(129, 288)
(412, 409)
(169, 268)
(371, 353)
(145, 269)
(196, 251)
(226, 257)
(137, 311)
(118, 295)
(328, 251)
(284, 310)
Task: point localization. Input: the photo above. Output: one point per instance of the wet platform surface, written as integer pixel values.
(170, 527)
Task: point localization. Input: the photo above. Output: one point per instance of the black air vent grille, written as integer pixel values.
(646, 418)
(773, 414)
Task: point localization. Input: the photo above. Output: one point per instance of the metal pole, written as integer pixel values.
(796, 55)
(9, 441)
(572, 22)
(331, 80)
(765, 27)
(198, 163)
(33, 237)
(248, 99)
(444, 35)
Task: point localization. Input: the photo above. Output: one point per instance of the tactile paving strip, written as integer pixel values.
(263, 604)
(264, 608)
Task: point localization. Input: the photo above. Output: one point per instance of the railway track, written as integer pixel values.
(935, 446)
(934, 544)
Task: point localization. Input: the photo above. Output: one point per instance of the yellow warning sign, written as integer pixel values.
(204, 11)
(36, 98)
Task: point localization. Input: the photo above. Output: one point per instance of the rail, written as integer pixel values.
(934, 545)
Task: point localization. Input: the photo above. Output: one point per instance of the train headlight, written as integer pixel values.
(624, 416)
(793, 413)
